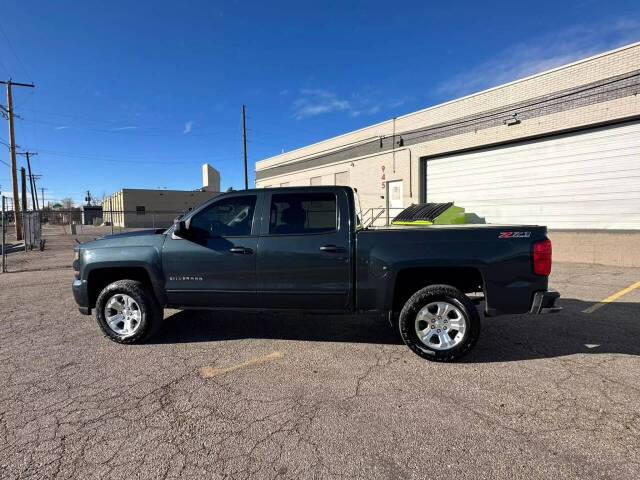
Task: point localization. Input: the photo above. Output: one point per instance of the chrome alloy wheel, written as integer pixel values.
(123, 314)
(440, 325)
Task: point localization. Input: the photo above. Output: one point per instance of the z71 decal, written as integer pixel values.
(514, 235)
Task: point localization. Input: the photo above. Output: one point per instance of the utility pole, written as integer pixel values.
(32, 181)
(42, 190)
(4, 229)
(12, 148)
(111, 213)
(244, 141)
(23, 183)
(35, 189)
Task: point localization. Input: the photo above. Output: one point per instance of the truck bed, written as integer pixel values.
(501, 254)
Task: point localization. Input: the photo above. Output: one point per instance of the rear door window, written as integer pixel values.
(302, 213)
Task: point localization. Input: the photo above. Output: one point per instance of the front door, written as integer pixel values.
(215, 264)
(303, 253)
(395, 195)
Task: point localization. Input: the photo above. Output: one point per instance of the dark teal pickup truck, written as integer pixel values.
(303, 249)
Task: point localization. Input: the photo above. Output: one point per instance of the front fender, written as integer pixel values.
(145, 257)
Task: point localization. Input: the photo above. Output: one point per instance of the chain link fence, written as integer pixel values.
(118, 220)
(74, 222)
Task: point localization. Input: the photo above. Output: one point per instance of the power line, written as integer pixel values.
(130, 130)
(120, 159)
(14, 52)
(120, 122)
(5, 67)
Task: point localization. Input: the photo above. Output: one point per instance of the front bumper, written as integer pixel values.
(545, 302)
(81, 296)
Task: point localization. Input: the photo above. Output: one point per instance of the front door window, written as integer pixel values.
(232, 217)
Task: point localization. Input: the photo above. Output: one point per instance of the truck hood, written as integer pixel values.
(139, 238)
(136, 233)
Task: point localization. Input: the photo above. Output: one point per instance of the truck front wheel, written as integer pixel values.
(127, 312)
(439, 323)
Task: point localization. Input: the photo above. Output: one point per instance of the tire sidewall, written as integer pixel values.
(433, 294)
(147, 309)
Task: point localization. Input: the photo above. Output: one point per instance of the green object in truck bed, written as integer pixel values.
(430, 214)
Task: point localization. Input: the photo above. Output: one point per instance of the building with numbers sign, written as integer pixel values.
(560, 148)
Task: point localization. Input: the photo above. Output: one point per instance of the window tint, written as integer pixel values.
(229, 217)
(297, 213)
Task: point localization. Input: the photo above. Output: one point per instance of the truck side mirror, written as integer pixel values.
(180, 230)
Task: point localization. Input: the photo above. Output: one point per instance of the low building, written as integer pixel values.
(150, 208)
(559, 148)
(91, 214)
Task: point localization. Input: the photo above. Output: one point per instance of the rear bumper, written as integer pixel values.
(81, 296)
(545, 302)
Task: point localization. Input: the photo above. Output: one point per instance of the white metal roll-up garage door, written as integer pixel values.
(586, 180)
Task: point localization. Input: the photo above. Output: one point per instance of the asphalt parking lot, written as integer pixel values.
(252, 396)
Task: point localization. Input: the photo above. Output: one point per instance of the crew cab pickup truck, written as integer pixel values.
(303, 249)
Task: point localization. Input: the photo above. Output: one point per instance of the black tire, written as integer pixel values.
(434, 293)
(151, 311)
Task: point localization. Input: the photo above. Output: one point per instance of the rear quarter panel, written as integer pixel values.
(505, 264)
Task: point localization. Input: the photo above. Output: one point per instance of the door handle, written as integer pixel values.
(330, 248)
(241, 250)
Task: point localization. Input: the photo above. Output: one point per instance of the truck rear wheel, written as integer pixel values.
(439, 323)
(127, 312)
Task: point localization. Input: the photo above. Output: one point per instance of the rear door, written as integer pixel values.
(304, 258)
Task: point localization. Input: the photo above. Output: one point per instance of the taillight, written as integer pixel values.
(542, 257)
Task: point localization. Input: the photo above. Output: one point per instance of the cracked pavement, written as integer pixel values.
(539, 397)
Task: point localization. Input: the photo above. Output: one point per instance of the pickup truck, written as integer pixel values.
(303, 249)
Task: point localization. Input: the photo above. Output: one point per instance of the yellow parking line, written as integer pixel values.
(616, 295)
(209, 371)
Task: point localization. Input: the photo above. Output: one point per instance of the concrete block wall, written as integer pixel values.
(616, 248)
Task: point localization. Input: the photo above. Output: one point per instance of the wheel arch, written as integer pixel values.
(99, 278)
(408, 281)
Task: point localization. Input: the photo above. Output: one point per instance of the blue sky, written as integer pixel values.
(140, 94)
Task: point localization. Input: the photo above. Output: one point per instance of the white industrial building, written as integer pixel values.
(560, 148)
